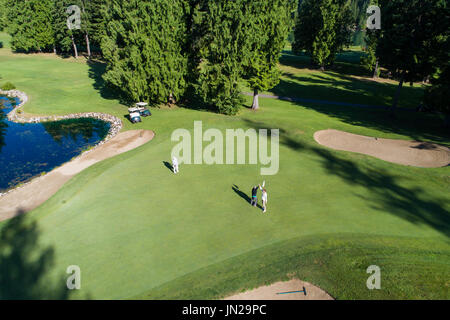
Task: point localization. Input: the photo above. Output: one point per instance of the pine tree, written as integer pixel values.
(436, 96)
(358, 9)
(30, 25)
(323, 28)
(2, 15)
(413, 39)
(18, 13)
(65, 39)
(221, 47)
(42, 24)
(270, 25)
(370, 60)
(94, 23)
(144, 47)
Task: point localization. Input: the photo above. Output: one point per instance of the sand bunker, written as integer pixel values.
(277, 291)
(410, 153)
(41, 189)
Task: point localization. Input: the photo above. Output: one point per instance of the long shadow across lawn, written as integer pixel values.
(241, 194)
(168, 166)
(419, 126)
(342, 88)
(415, 205)
(24, 265)
(96, 71)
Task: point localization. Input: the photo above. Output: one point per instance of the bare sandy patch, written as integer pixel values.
(41, 189)
(286, 290)
(410, 153)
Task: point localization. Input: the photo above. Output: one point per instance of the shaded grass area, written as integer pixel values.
(411, 268)
(345, 81)
(331, 85)
(24, 264)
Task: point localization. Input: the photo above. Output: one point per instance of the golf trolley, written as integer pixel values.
(140, 110)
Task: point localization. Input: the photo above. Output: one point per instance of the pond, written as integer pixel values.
(31, 149)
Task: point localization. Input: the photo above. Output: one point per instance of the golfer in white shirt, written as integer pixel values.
(264, 198)
(175, 165)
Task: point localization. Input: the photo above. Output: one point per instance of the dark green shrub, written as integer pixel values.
(8, 86)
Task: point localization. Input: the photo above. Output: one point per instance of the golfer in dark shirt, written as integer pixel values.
(254, 195)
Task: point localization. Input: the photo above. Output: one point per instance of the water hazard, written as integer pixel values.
(29, 150)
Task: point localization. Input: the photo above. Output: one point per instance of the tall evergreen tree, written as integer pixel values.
(436, 96)
(18, 15)
(323, 28)
(221, 48)
(93, 22)
(144, 48)
(30, 25)
(412, 39)
(65, 39)
(270, 24)
(370, 60)
(358, 9)
(2, 15)
(42, 24)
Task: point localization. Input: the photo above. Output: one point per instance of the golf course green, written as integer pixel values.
(136, 230)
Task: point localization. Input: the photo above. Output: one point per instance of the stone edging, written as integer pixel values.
(115, 123)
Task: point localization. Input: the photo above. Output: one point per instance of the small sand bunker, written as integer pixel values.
(288, 290)
(410, 153)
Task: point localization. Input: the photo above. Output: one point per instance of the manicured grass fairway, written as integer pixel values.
(138, 231)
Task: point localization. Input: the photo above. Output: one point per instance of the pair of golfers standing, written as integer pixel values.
(263, 196)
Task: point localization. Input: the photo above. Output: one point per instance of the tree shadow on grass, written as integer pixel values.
(96, 71)
(337, 85)
(24, 265)
(419, 126)
(414, 204)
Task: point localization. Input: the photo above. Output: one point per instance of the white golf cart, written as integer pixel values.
(135, 115)
(138, 111)
(143, 110)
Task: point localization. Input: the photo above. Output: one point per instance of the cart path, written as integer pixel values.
(41, 189)
(328, 102)
(288, 289)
